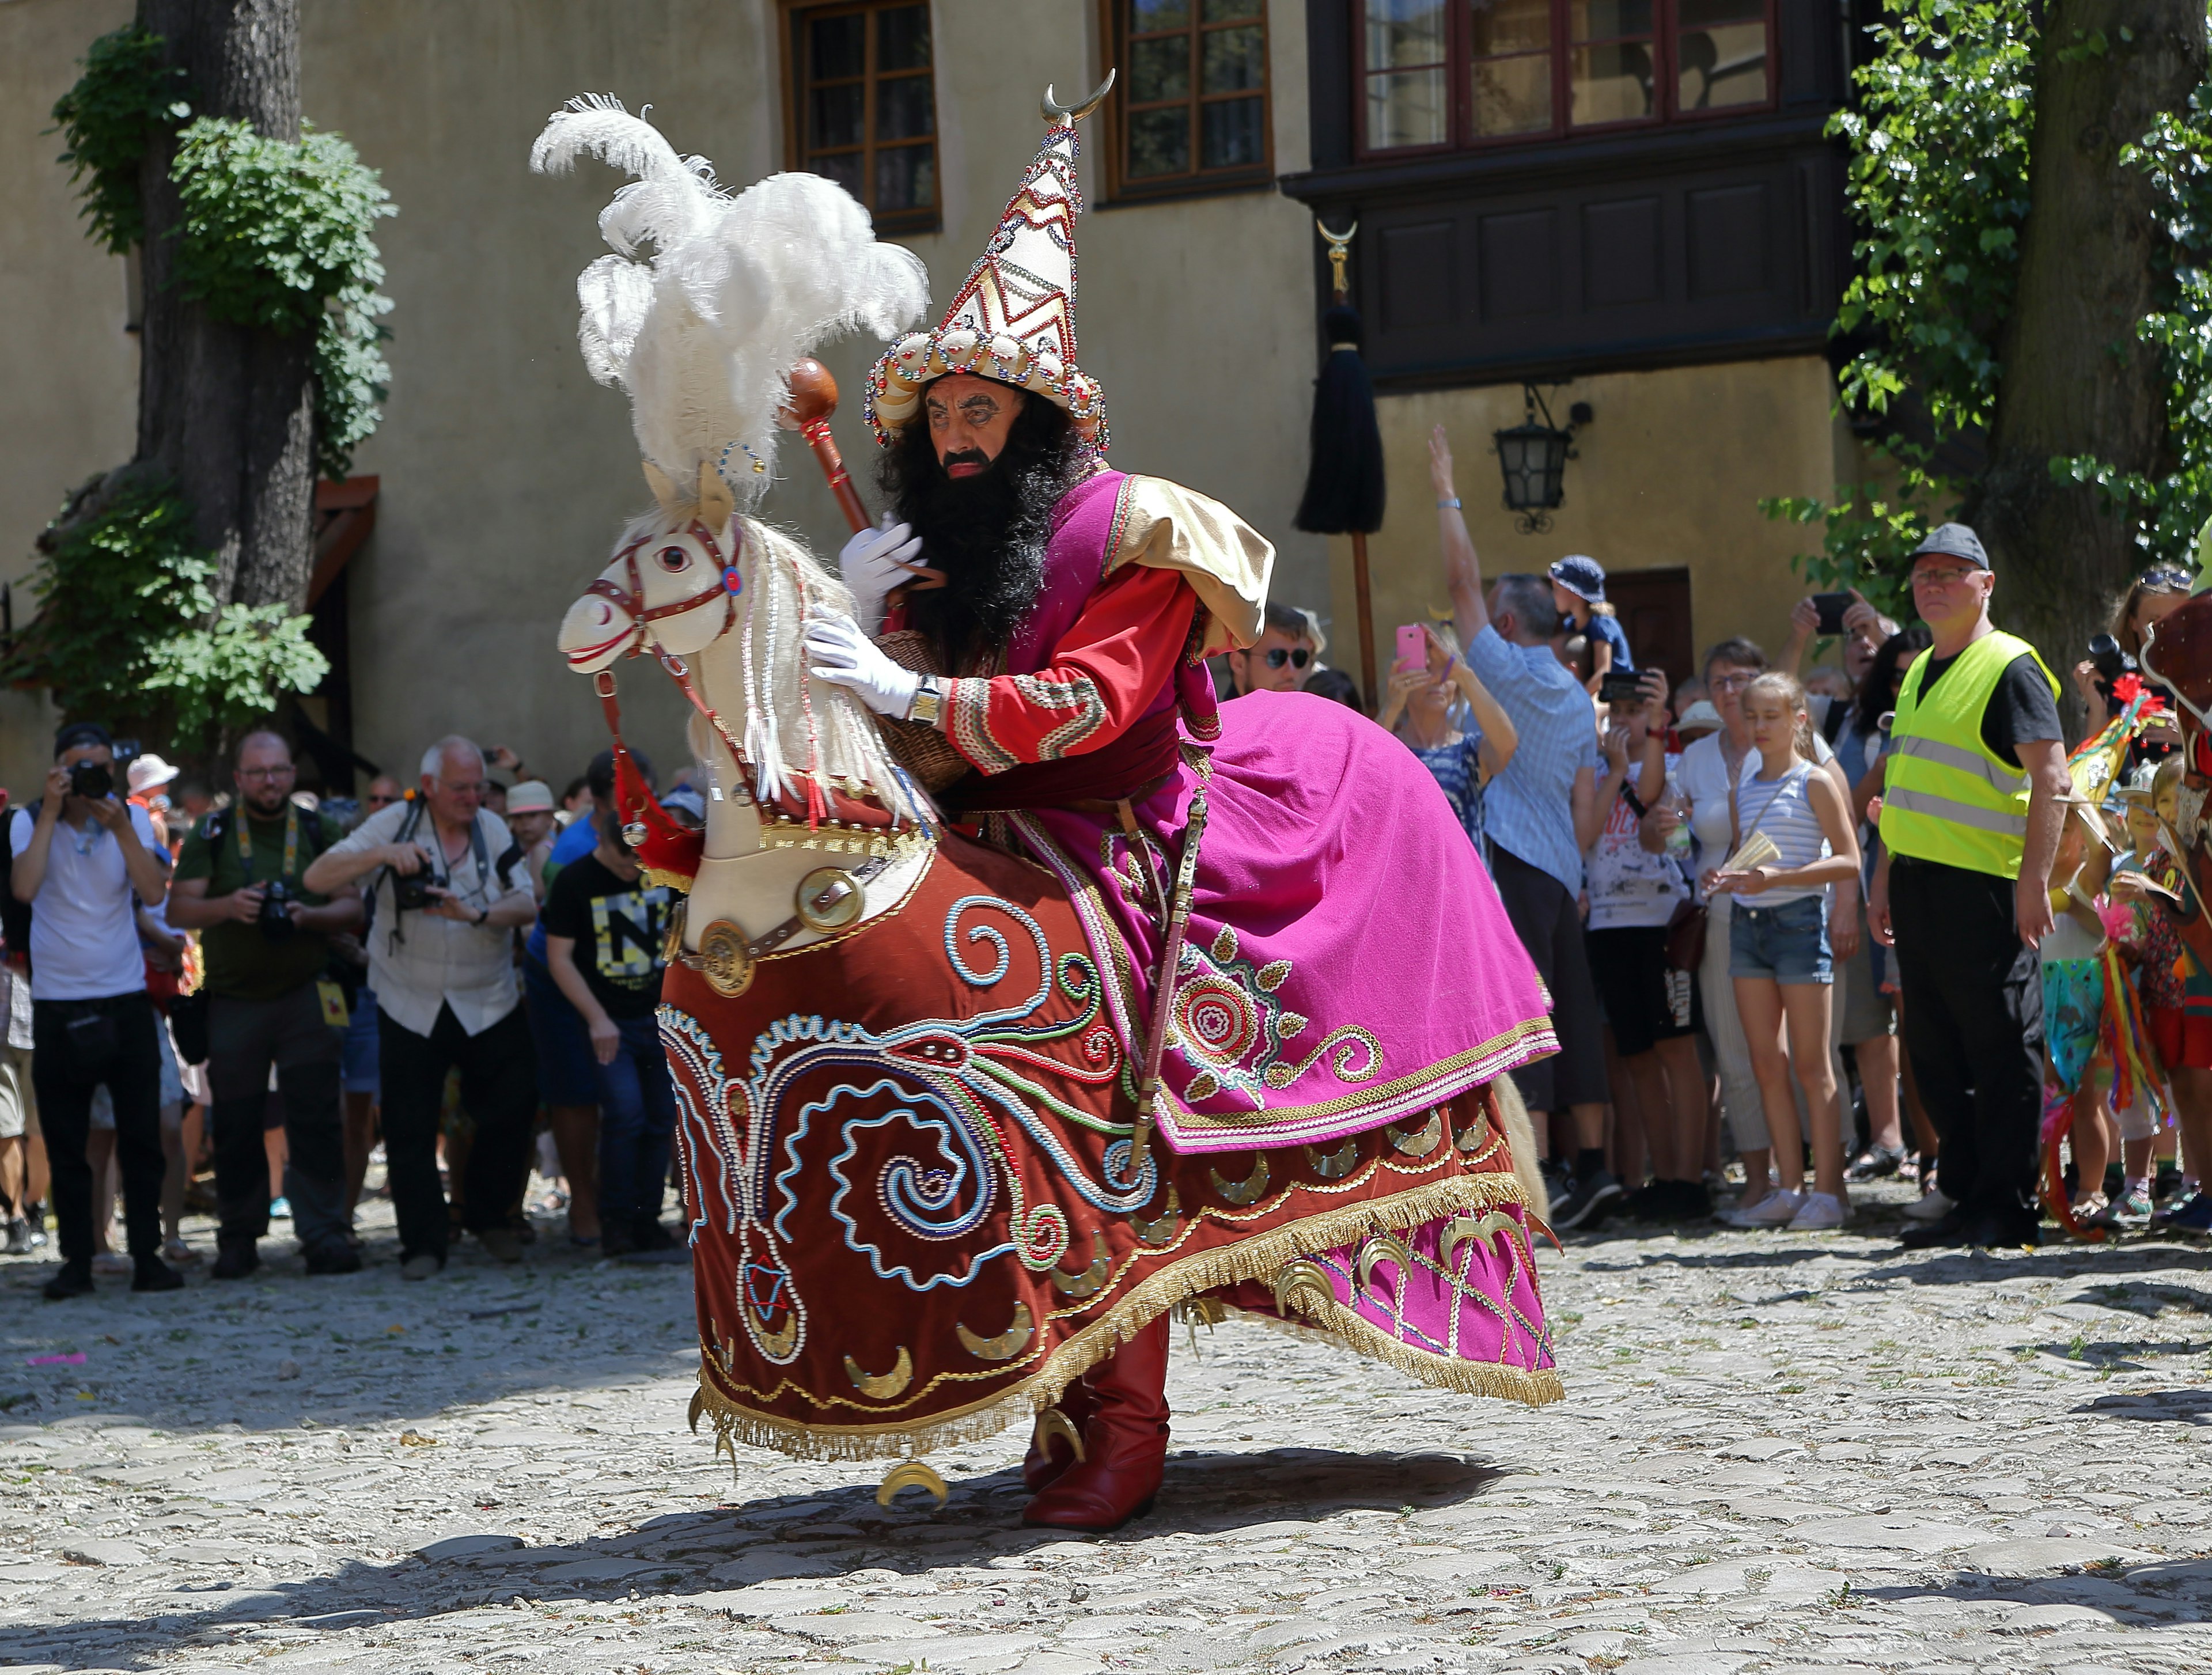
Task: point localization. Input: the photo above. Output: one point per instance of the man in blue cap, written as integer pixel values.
(1970, 824)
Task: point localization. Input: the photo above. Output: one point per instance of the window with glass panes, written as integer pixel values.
(1192, 99)
(865, 106)
(1441, 73)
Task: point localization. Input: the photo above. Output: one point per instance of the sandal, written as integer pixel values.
(1875, 1163)
(177, 1251)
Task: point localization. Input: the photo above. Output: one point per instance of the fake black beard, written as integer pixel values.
(986, 532)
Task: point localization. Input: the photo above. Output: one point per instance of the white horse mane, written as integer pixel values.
(793, 727)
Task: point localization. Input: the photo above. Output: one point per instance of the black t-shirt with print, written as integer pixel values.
(619, 927)
(2020, 711)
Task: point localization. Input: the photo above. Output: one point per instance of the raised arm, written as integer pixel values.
(1462, 568)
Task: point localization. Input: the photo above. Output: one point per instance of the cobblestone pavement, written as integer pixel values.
(1777, 1452)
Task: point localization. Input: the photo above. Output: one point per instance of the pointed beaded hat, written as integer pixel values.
(1014, 320)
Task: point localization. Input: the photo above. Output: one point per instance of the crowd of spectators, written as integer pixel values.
(1800, 928)
(264, 991)
(1766, 987)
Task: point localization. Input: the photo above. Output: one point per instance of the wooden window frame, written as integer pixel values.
(1121, 186)
(1459, 60)
(790, 14)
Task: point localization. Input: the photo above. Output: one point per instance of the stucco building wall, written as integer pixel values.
(504, 469)
(1668, 473)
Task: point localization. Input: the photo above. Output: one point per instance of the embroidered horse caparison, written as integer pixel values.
(916, 1210)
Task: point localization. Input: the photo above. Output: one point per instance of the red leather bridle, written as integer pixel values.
(727, 582)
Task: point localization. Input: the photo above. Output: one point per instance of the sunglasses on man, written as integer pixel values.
(1298, 658)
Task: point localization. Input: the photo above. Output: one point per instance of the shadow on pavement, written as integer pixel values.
(2166, 1591)
(706, 1556)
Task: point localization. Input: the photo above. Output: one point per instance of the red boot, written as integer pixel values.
(1050, 1454)
(1125, 1442)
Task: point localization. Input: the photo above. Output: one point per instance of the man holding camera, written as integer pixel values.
(84, 860)
(440, 959)
(266, 938)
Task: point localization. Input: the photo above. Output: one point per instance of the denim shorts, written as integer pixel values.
(1789, 943)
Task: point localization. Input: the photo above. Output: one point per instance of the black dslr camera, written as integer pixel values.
(2110, 663)
(276, 921)
(410, 891)
(92, 779)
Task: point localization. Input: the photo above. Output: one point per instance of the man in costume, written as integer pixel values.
(1330, 972)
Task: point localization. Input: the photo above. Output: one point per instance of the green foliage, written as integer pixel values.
(129, 627)
(1939, 183)
(276, 235)
(1867, 534)
(280, 236)
(107, 119)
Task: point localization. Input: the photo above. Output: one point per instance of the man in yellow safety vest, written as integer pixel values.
(1969, 825)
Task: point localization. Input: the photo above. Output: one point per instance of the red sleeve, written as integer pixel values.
(1118, 657)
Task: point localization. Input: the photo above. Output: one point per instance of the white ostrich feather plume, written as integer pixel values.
(709, 300)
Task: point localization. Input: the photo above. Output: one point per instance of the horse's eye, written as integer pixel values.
(673, 559)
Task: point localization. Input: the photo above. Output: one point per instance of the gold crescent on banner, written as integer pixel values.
(911, 1474)
(1330, 1165)
(1162, 1230)
(882, 1386)
(1087, 1283)
(1419, 1141)
(698, 1407)
(1053, 1423)
(1056, 114)
(776, 1345)
(1302, 1288)
(1247, 1190)
(1384, 1247)
(1476, 1135)
(1460, 1229)
(1007, 1344)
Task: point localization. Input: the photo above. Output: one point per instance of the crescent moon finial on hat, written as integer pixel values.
(1057, 113)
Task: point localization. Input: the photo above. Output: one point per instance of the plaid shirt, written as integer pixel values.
(1528, 809)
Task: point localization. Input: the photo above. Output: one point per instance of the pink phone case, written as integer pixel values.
(1412, 647)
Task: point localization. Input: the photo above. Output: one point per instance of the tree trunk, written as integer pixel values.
(2076, 379)
(225, 411)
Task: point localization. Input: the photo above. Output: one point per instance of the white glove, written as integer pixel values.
(841, 654)
(873, 563)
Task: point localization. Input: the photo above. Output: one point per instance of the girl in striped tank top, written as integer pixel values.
(1778, 949)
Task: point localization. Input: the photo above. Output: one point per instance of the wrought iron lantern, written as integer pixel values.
(1534, 458)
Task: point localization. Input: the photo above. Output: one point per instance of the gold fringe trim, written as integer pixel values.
(1257, 1258)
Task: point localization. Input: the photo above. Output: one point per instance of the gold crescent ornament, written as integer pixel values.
(698, 1407)
(1333, 1165)
(1163, 1229)
(829, 900)
(776, 1345)
(882, 1386)
(723, 961)
(1460, 1229)
(911, 1474)
(1384, 1248)
(1053, 1423)
(1418, 1142)
(1302, 1288)
(1007, 1344)
(1247, 1190)
(1087, 1283)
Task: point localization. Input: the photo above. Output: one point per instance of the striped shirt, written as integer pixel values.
(1528, 809)
(1781, 810)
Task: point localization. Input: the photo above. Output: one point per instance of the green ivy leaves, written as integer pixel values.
(128, 620)
(278, 236)
(107, 119)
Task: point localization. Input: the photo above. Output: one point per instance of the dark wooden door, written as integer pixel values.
(1654, 609)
